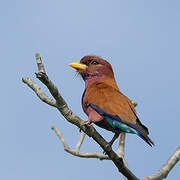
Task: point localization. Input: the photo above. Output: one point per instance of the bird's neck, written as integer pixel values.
(108, 80)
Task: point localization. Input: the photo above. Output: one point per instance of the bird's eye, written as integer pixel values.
(94, 62)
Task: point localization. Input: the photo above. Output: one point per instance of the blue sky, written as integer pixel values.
(139, 38)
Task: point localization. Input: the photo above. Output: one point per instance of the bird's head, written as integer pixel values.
(93, 68)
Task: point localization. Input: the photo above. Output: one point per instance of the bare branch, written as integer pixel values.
(39, 63)
(120, 150)
(88, 129)
(80, 141)
(60, 102)
(75, 151)
(59, 134)
(39, 91)
(166, 168)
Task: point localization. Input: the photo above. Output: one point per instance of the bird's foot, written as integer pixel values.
(108, 148)
(109, 145)
(87, 122)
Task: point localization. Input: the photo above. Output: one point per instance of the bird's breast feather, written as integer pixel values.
(110, 100)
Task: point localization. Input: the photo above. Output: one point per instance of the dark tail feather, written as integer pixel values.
(146, 138)
(142, 132)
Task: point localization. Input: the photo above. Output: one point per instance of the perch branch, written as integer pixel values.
(166, 168)
(61, 105)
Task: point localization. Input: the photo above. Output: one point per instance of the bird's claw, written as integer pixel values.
(86, 123)
(109, 144)
(108, 148)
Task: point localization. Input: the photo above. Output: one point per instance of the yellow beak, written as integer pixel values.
(78, 65)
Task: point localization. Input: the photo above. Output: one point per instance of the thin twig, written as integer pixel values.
(39, 63)
(120, 150)
(166, 168)
(39, 91)
(75, 151)
(59, 134)
(80, 141)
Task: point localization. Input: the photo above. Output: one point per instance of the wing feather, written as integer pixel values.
(111, 100)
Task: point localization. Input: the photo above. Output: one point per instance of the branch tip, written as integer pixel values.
(37, 55)
(23, 80)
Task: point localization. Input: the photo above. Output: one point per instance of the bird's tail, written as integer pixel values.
(142, 132)
(146, 138)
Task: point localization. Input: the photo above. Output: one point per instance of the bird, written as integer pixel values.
(104, 103)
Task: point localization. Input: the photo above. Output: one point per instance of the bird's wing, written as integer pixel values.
(111, 101)
(116, 108)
